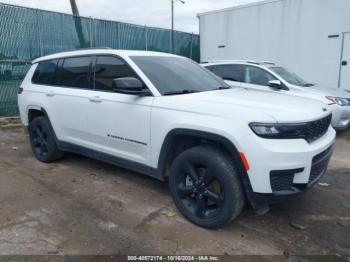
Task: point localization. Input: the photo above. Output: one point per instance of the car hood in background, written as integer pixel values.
(328, 91)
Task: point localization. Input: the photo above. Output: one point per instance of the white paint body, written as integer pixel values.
(294, 33)
(227, 113)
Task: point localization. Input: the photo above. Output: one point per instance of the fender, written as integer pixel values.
(169, 138)
(35, 107)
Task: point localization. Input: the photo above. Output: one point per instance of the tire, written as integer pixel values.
(206, 187)
(43, 140)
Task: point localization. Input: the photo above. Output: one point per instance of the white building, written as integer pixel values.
(311, 37)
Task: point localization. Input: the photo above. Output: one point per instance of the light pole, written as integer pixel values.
(172, 22)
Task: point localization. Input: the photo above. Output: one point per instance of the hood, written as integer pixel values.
(338, 92)
(324, 91)
(249, 104)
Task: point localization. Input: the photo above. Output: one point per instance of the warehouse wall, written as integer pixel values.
(293, 33)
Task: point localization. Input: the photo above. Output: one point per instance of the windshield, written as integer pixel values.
(290, 77)
(176, 75)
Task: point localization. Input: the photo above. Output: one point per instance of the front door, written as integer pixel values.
(257, 78)
(119, 124)
(345, 63)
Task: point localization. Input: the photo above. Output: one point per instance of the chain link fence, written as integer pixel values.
(27, 33)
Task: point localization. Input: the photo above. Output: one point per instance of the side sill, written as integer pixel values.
(117, 161)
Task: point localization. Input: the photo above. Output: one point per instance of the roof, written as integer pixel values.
(95, 51)
(262, 2)
(226, 62)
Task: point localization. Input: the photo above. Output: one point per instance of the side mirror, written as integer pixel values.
(129, 85)
(276, 84)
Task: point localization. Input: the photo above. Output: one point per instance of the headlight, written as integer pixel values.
(278, 130)
(339, 100)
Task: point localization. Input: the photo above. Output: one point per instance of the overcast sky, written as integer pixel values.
(145, 12)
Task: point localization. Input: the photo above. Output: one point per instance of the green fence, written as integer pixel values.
(27, 33)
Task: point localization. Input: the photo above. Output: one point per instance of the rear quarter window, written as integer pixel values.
(46, 73)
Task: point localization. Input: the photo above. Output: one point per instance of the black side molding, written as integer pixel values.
(117, 161)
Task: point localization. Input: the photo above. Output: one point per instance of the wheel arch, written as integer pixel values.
(187, 138)
(34, 111)
(225, 144)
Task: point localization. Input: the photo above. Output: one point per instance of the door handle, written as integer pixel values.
(344, 63)
(96, 99)
(50, 94)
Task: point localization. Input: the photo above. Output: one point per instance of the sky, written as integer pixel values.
(156, 13)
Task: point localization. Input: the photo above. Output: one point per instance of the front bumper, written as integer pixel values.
(341, 117)
(282, 169)
(262, 202)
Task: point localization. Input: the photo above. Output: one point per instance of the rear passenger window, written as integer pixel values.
(76, 72)
(46, 73)
(228, 72)
(108, 68)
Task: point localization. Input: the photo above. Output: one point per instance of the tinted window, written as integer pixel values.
(76, 72)
(108, 68)
(290, 77)
(257, 76)
(228, 72)
(46, 73)
(175, 74)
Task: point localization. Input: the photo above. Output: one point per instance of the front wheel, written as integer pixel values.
(206, 187)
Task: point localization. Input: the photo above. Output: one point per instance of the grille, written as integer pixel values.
(319, 165)
(280, 183)
(316, 129)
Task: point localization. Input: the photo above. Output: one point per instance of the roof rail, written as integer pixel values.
(238, 61)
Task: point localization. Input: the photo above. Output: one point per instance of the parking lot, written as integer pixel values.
(82, 206)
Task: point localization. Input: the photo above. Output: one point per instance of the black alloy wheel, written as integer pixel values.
(206, 187)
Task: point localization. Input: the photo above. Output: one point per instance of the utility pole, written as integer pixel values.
(172, 23)
(74, 6)
(78, 25)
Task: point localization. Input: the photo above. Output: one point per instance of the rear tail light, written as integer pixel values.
(20, 90)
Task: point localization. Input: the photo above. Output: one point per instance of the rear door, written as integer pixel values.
(68, 101)
(119, 124)
(345, 63)
(231, 74)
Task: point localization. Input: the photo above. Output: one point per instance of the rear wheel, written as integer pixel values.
(43, 142)
(205, 187)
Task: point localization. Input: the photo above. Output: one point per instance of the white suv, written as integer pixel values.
(271, 77)
(167, 117)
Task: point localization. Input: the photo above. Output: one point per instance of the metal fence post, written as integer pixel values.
(39, 32)
(171, 48)
(146, 38)
(118, 29)
(191, 48)
(90, 30)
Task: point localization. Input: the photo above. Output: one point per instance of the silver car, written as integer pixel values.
(268, 76)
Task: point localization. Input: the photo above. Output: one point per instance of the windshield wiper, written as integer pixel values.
(308, 85)
(180, 92)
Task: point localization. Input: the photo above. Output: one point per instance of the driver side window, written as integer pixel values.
(108, 68)
(257, 76)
